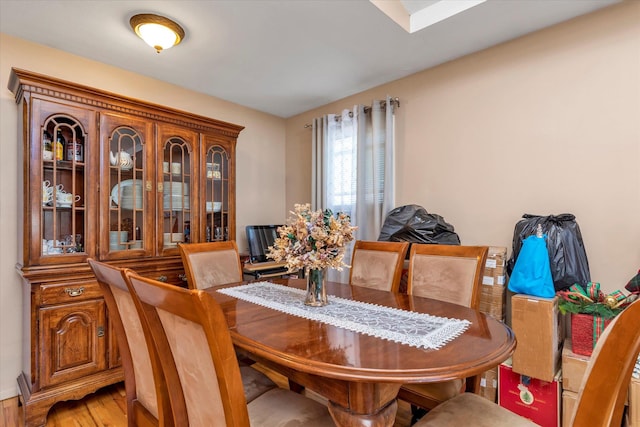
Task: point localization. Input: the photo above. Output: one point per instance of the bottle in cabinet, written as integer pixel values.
(59, 145)
(47, 146)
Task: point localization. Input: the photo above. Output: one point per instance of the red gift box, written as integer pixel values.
(535, 399)
(585, 331)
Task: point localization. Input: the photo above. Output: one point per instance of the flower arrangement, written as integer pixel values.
(312, 239)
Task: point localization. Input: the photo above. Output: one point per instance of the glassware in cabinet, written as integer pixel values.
(62, 191)
(176, 190)
(126, 210)
(126, 184)
(217, 192)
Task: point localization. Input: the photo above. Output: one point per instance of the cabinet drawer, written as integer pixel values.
(69, 292)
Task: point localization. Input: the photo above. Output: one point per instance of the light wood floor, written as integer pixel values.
(107, 408)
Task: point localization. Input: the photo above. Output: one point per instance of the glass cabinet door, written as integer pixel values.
(175, 187)
(63, 186)
(61, 135)
(126, 176)
(217, 194)
(127, 188)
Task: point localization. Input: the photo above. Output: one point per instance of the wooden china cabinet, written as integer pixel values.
(114, 179)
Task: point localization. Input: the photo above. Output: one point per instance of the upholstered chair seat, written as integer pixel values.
(255, 383)
(469, 409)
(283, 408)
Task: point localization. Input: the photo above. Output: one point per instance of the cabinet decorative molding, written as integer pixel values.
(115, 179)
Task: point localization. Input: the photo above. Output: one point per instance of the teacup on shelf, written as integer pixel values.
(64, 199)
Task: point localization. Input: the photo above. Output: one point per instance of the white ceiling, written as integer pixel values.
(282, 57)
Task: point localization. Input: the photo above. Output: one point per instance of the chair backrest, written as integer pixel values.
(447, 272)
(604, 387)
(196, 353)
(211, 264)
(147, 401)
(377, 265)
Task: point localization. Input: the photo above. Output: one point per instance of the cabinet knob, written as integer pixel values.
(162, 278)
(74, 292)
(182, 277)
(100, 331)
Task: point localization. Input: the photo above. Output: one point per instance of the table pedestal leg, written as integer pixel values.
(385, 417)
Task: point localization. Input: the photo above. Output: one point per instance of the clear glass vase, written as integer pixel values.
(316, 290)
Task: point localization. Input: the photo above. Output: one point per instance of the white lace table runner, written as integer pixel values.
(406, 327)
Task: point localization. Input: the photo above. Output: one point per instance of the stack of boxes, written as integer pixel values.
(573, 368)
(531, 385)
(633, 419)
(493, 296)
(492, 302)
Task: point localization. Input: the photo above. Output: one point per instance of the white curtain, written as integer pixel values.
(353, 168)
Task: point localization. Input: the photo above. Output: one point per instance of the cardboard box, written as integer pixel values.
(632, 416)
(529, 397)
(569, 399)
(634, 403)
(492, 290)
(489, 384)
(573, 368)
(492, 301)
(538, 330)
(494, 267)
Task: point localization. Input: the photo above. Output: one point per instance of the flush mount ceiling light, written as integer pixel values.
(157, 31)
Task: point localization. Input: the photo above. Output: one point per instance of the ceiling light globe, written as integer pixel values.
(157, 31)
(157, 36)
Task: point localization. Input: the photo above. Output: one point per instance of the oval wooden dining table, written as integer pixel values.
(359, 374)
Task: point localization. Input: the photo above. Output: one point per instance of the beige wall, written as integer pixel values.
(545, 124)
(259, 184)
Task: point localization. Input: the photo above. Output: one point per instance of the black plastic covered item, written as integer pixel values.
(567, 255)
(412, 223)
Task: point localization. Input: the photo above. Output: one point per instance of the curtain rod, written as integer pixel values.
(395, 101)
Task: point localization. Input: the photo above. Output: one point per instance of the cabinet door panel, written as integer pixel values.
(72, 341)
(177, 186)
(126, 197)
(217, 184)
(62, 218)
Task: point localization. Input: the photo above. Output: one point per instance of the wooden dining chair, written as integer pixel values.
(146, 392)
(211, 264)
(197, 357)
(378, 265)
(602, 394)
(452, 274)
